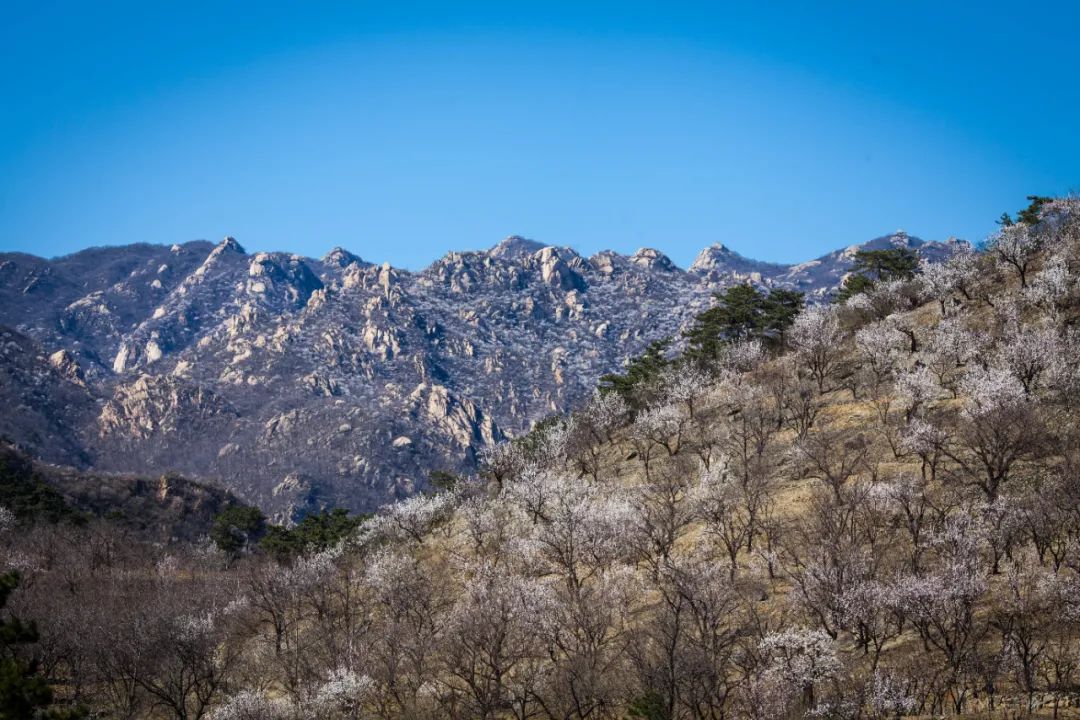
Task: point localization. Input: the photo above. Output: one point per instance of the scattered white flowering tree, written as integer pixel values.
(958, 274)
(1017, 246)
(950, 346)
(801, 660)
(816, 336)
(881, 347)
(729, 509)
(655, 428)
(834, 455)
(1030, 352)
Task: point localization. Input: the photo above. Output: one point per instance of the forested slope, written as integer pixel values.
(868, 509)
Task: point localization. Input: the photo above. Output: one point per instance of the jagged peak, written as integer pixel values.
(708, 257)
(653, 259)
(229, 244)
(898, 238)
(718, 248)
(514, 247)
(720, 257)
(340, 257)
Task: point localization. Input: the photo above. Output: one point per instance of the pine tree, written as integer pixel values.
(236, 527)
(872, 266)
(315, 533)
(640, 371)
(24, 694)
(853, 285)
(1032, 214)
(888, 264)
(742, 312)
(780, 308)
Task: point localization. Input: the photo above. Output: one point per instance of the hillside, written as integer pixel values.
(301, 383)
(879, 520)
(165, 510)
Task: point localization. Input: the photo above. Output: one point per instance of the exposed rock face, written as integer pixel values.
(817, 278)
(46, 404)
(302, 383)
(154, 405)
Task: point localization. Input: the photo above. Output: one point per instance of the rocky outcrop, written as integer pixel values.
(157, 405)
(301, 383)
(46, 400)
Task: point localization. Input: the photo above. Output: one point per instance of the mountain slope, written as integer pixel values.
(301, 383)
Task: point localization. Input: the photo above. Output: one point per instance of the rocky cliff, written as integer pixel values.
(301, 383)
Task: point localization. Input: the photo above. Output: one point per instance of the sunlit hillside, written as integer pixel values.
(863, 509)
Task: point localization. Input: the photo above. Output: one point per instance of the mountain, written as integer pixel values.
(301, 383)
(817, 278)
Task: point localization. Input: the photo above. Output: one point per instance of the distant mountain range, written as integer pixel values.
(300, 383)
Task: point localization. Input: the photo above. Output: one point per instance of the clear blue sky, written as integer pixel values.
(402, 130)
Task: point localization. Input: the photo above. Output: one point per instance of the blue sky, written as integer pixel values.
(403, 130)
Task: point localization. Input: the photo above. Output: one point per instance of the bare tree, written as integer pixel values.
(834, 455)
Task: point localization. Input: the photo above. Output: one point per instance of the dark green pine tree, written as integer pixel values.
(888, 264)
(24, 694)
(315, 533)
(854, 284)
(236, 527)
(872, 266)
(639, 373)
(741, 312)
(1032, 214)
(736, 314)
(780, 308)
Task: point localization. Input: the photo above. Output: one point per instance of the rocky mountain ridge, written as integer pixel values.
(300, 383)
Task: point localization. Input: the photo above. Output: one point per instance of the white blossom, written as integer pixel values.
(195, 628)
(952, 344)
(1030, 351)
(682, 384)
(921, 437)
(1052, 284)
(741, 356)
(800, 656)
(956, 274)
(411, 518)
(659, 424)
(816, 336)
(917, 387)
(250, 705)
(167, 566)
(605, 411)
(888, 296)
(1017, 246)
(580, 523)
(891, 697)
(881, 345)
(990, 389)
(343, 690)
(7, 520)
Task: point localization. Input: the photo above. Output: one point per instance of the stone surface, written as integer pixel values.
(300, 383)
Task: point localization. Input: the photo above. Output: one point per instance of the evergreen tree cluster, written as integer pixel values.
(1029, 215)
(27, 495)
(24, 692)
(873, 266)
(639, 373)
(742, 312)
(315, 533)
(241, 528)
